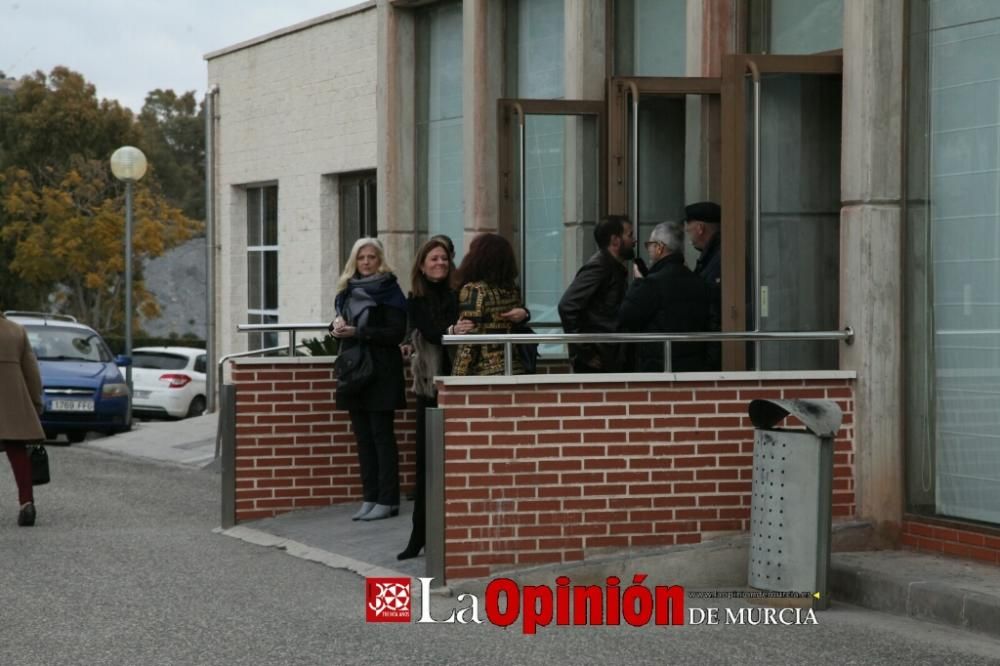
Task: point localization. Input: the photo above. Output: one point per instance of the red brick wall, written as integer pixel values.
(294, 449)
(951, 539)
(540, 473)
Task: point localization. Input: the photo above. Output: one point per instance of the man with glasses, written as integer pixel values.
(591, 302)
(670, 299)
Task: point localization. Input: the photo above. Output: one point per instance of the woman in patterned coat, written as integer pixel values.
(489, 297)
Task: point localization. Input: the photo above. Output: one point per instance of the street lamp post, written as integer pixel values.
(128, 164)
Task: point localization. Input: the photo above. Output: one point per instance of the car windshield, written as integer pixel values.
(54, 343)
(158, 361)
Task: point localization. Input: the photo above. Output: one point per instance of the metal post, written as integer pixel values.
(524, 208)
(210, 248)
(227, 436)
(508, 360)
(434, 507)
(635, 160)
(128, 290)
(291, 343)
(668, 361)
(756, 214)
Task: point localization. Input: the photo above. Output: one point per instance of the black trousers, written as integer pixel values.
(378, 455)
(418, 534)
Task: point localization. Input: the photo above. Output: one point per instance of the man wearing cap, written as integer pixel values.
(702, 222)
(670, 299)
(591, 302)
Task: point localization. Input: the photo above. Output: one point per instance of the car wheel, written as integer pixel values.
(197, 407)
(76, 437)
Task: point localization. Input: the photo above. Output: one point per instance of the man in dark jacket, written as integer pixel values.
(670, 299)
(590, 304)
(702, 223)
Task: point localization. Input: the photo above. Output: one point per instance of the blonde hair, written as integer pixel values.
(351, 267)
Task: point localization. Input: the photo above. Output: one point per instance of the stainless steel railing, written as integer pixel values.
(508, 340)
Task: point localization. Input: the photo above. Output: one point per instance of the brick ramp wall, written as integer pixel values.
(950, 538)
(546, 473)
(294, 448)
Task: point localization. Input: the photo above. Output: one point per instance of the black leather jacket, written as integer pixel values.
(590, 305)
(671, 299)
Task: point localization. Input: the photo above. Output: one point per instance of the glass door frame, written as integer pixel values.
(624, 95)
(735, 70)
(521, 108)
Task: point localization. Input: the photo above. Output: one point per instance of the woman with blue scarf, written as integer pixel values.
(371, 311)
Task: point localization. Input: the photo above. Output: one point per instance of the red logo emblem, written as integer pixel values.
(387, 599)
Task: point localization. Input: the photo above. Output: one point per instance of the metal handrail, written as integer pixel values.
(510, 339)
(292, 329)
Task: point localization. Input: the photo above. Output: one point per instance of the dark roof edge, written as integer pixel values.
(304, 25)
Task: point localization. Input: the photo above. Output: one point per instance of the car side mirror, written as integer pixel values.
(123, 360)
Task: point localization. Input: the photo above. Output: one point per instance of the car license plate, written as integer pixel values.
(71, 406)
(142, 394)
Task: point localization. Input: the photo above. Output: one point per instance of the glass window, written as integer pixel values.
(440, 196)
(535, 55)
(358, 210)
(159, 361)
(262, 262)
(792, 27)
(51, 343)
(650, 37)
(953, 260)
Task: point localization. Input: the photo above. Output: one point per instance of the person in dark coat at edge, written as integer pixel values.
(20, 405)
(433, 313)
(669, 299)
(592, 300)
(371, 310)
(703, 224)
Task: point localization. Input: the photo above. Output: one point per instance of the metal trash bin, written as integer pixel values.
(792, 494)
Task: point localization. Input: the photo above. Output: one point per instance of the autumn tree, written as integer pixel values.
(61, 210)
(67, 228)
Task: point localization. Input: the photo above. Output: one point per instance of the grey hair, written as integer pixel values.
(671, 234)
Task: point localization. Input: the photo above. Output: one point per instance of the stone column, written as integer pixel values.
(871, 287)
(585, 54)
(482, 86)
(396, 119)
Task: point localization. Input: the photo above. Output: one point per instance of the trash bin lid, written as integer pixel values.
(821, 417)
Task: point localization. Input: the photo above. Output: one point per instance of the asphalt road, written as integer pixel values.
(123, 568)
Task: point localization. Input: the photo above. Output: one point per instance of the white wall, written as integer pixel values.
(294, 108)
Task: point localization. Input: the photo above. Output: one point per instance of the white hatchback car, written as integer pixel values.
(168, 381)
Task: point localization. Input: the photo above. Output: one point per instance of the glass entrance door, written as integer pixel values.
(551, 195)
(665, 148)
(781, 206)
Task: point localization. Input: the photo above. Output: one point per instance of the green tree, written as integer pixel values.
(66, 228)
(51, 118)
(173, 138)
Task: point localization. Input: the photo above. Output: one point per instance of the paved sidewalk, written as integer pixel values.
(941, 590)
(189, 442)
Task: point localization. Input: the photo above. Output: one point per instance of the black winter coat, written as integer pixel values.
(590, 305)
(387, 391)
(671, 299)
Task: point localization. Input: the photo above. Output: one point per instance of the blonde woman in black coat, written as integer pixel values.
(371, 311)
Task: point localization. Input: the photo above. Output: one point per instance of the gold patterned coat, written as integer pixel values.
(483, 304)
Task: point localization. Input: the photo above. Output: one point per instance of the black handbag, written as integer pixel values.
(39, 464)
(353, 369)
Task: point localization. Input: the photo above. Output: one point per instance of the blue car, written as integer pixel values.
(83, 388)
